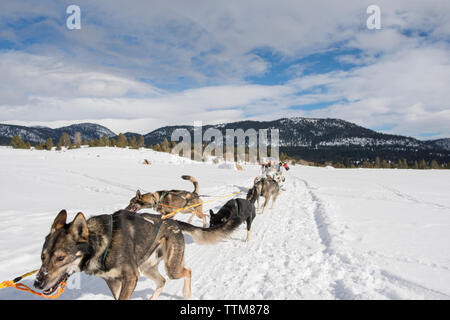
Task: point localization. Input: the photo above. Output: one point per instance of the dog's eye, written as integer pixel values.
(60, 258)
(42, 257)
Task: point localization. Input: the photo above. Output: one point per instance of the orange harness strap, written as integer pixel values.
(191, 209)
(20, 286)
(23, 287)
(197, 204)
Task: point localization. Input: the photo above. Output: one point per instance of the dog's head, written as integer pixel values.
(216, 219)
(63, 251)
(141, 201)
(251, 193)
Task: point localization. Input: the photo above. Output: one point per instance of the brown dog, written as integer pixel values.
(167, 201)
(115, 247)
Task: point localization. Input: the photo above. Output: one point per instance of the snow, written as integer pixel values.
(361, 141)
(225, 165)
(334, 234)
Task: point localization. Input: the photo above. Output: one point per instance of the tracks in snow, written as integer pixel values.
(355, 275)
(296, 251)
(412, 199)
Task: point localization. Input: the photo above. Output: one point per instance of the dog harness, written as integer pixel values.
(105, 254)
(157, 203)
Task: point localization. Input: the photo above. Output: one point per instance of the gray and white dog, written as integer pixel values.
(264, 187)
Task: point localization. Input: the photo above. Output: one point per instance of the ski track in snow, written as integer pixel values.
(311, 263)
(355, 275)
(410, 198)
(297, 250)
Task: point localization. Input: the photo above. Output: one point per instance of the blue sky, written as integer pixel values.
(151, 64)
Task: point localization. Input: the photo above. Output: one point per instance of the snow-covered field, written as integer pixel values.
(334, 234)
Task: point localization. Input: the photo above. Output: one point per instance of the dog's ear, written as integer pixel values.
(138, 194)
(211, 213)
(79, 228)
(60, 220)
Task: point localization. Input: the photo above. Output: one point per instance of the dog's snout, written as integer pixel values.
(131, 207)
(39, 283)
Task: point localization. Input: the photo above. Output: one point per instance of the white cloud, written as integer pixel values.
(401, 77)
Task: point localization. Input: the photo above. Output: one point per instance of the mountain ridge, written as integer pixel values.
(37, 134)
(314, 139)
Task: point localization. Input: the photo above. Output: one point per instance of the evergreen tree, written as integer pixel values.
(434, 164)
(339, 165)
(377, 162)
(17, 143)
(416, 165)
(49, 144)
(77, 139)
(367, 164)
(141, 142)
(405, 164)
(165, 146)
(422, 164)
(122, 141)
(104, 141)
(64, 140)
(91, 143)
(133, 142)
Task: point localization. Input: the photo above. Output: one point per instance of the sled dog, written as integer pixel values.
(166, 201)
(114, 247)
(264, 187)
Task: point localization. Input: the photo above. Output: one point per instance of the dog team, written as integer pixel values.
(118, 247)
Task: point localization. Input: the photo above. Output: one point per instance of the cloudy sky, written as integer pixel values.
(138, 65)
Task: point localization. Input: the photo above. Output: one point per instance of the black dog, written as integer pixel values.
(224, 222)
(234, 212)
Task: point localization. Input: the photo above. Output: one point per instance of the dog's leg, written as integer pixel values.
(128, 286)
(274, 198)
(186, 274)
(249, 225)
(266, 200)
(152, 272)
(174, 262)
(203, 217)
(200, 214)
(114, 285)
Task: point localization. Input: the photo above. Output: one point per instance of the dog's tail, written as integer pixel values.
(210, 235)
(192, 179)
(252, 195)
